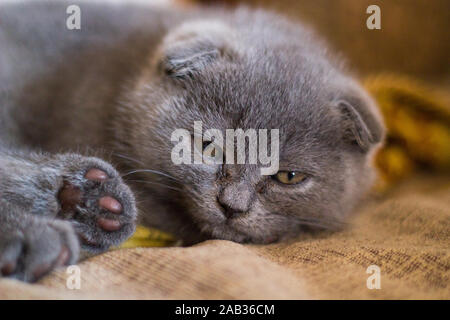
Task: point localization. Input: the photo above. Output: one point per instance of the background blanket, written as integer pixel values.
(404, 233)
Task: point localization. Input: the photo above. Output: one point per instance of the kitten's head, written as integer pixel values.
(252, 75)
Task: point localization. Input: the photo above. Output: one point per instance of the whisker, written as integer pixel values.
(128, 158)
(151, 171)
(323, 224)
(158, 184)
(143, 170)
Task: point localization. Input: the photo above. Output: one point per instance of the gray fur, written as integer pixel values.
(131, 76)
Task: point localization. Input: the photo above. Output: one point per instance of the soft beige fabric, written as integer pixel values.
(407, 234)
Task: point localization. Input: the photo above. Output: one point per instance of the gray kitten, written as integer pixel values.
(122, 84)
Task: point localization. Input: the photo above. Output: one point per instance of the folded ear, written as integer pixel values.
(193, 46)
(362, 123)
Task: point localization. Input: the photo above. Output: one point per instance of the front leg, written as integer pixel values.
(85, 191)
(32, 246)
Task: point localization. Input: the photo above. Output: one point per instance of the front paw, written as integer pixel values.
(40, 246)
(99, 204)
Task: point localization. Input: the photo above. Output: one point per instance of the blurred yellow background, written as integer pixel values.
(405, 66)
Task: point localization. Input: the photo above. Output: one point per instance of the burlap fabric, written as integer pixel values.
(406, 234)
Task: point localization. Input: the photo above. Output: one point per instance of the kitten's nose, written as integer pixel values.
(235, 199)
(230, 212)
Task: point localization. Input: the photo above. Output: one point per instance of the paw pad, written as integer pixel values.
(8, 268)
(69, 196)
(96, 175)
(101, 206)
(110, 204)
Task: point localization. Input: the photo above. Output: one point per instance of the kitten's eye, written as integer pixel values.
(204, 145)
(290, 177)
(207, 143)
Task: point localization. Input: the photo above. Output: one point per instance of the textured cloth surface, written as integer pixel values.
(405, 233)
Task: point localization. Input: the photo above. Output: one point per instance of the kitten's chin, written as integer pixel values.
(233, 235)
(235, 230)
(222, 229)
(214, 225)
